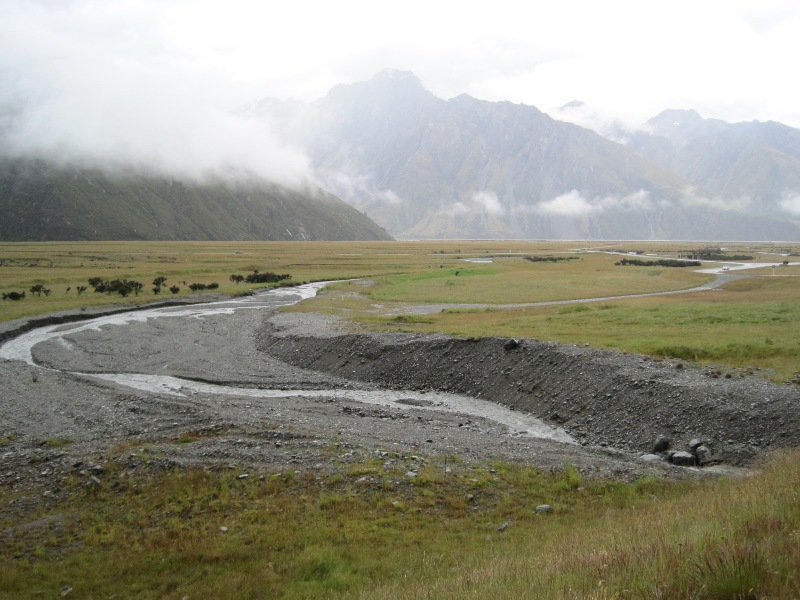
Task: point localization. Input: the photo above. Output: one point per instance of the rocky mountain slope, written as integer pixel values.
(749, 164)
(424, 167)
(41, 201)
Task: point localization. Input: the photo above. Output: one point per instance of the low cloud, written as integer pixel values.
(488, 202)
(691, 197)
(571, 204)
(389, 197)
(574, 204)
(790, 203)
(456, 208)
(485, 202)
(92, 87)
(605, 122)
(355, 188)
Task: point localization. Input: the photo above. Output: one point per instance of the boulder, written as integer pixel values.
(683, 459)
(661, 444)
(651, 458)
(703, 454)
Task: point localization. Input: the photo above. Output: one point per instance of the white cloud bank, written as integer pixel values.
(790, 202)
(485, 202)
(92, 83)
(573, 204)
(488, 202)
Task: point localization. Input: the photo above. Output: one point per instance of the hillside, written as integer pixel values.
(40, 201)
(747, 163)
(424, 167)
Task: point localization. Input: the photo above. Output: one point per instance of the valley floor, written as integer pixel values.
(54, 417)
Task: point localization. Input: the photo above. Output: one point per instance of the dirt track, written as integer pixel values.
(613, 404)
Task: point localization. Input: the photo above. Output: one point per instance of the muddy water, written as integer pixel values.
(20, 348)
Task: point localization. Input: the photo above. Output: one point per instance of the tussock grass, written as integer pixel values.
(212, 534)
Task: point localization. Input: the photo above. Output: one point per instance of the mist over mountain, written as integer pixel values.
(417, 165)
(41, 200)
(424, 167)
(751, 166)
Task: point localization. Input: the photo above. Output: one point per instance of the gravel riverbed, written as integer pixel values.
(56, 413)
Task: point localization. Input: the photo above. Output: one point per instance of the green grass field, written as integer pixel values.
(151, 533)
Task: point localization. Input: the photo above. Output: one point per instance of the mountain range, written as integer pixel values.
(424, 167)
(395, 160)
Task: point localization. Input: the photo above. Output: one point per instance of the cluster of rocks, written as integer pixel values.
(697, 455)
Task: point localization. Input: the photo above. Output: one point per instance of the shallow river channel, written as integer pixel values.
(21, 349)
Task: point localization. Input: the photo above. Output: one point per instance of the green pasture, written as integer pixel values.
(512, 279)
(752, 323)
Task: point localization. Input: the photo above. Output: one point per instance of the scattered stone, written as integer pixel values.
(544, 508)
(502, 526)
(703, 455)
(470, 497)
(65, 591)
(93, 481)
(683, 459)
(661, 444)
(511, 344)
(223, 529)
(244, 476)
(651, 458)
(411, 473)
(695, 443)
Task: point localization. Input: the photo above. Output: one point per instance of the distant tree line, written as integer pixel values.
(126, 287)
(713, 254)
(552, 259)
(662, 262)
(256, 277)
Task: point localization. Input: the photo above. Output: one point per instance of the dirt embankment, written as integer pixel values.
(599, 397)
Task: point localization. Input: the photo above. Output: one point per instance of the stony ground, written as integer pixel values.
(55, 420)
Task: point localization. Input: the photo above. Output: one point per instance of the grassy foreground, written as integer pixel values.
(470, 532)
(372, 532)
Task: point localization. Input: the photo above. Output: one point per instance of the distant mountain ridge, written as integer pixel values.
(42, 201)
(749, 163)
(424, 167)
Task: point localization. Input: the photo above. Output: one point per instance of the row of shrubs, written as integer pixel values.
(256, 277)
(551, 258)
(662, 262)
(125, 287)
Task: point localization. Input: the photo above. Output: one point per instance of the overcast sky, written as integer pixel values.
(155, 80)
